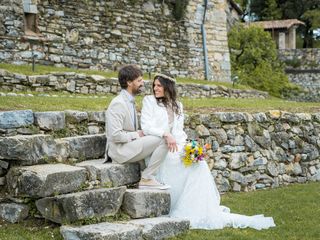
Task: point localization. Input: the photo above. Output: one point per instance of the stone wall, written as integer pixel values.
(95, 84)
(106, 34)
(305, 58)
(309, 80)
(249, 151)
(303, 69)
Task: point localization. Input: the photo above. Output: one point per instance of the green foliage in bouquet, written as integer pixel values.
(255, 61)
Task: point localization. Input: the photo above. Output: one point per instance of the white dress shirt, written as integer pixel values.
(131, 105)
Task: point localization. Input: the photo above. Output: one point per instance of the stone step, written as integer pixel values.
(45, 180)
(85, 147)
(40, 148)
(30, 149)
(161, 227)
(151, 229)
(102, 231)
(138, 203)
(16, 119)
(72, 207)
(13, 212)
(111, 174)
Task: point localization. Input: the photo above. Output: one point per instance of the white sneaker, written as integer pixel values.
(152, 184)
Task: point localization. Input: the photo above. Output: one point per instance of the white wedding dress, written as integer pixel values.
(194, 195)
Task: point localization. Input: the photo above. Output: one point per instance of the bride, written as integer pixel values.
(194, 195)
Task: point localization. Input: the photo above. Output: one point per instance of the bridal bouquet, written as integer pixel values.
(194, 153)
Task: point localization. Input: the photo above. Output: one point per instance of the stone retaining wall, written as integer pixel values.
(106, 34)
(303, 69)
(94, 84)
(309, 80)
(302, 58)
(249, 151)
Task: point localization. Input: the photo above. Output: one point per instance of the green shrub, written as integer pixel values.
(255, 61)
(295, 62)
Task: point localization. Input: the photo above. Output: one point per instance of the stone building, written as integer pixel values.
(104, 34)
(283, 32)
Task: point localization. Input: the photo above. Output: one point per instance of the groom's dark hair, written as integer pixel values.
(128, 73)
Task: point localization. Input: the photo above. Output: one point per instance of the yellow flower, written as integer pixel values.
(193, 152)
(200, 151)
(188, 147)
(187, 161)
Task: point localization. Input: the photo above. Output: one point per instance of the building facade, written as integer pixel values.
(106, 34)
(283, 32)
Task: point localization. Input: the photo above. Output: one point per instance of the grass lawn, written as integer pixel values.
(98, 104)
(30, 230)
(93, 103)
(295, 210)
(42, 70)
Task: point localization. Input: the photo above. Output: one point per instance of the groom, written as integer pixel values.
(125, 143)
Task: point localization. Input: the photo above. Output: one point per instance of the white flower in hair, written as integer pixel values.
(164, 76)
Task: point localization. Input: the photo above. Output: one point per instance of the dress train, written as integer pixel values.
(194, 196)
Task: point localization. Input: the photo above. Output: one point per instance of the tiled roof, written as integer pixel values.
(288, 23)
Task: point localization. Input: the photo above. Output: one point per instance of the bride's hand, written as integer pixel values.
(171, 142)
(141, 134)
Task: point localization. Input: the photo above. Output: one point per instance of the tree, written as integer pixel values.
(307, 11)
(265, 10)
(255, 61)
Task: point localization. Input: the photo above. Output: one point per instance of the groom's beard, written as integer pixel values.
(139, 90)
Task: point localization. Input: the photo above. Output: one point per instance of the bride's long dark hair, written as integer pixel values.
(170, 93)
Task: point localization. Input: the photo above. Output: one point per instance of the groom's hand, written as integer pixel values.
(171, 142)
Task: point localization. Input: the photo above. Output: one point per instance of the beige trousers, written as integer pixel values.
(157, 149)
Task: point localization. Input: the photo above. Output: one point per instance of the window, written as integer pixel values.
(30, 18)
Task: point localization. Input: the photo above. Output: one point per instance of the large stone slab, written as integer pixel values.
(50, 120)
(45, 180)
(102, 231)
(112, 174)
(81, 205)
(138, 203)
(16, 119)
(99, 117)
(161, 227)
(32, 149)
(147, 229)
(75, 116)
(85, 147)
(13, 212)
(40, 148)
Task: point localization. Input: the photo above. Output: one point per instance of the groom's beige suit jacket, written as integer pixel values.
(120, 130)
